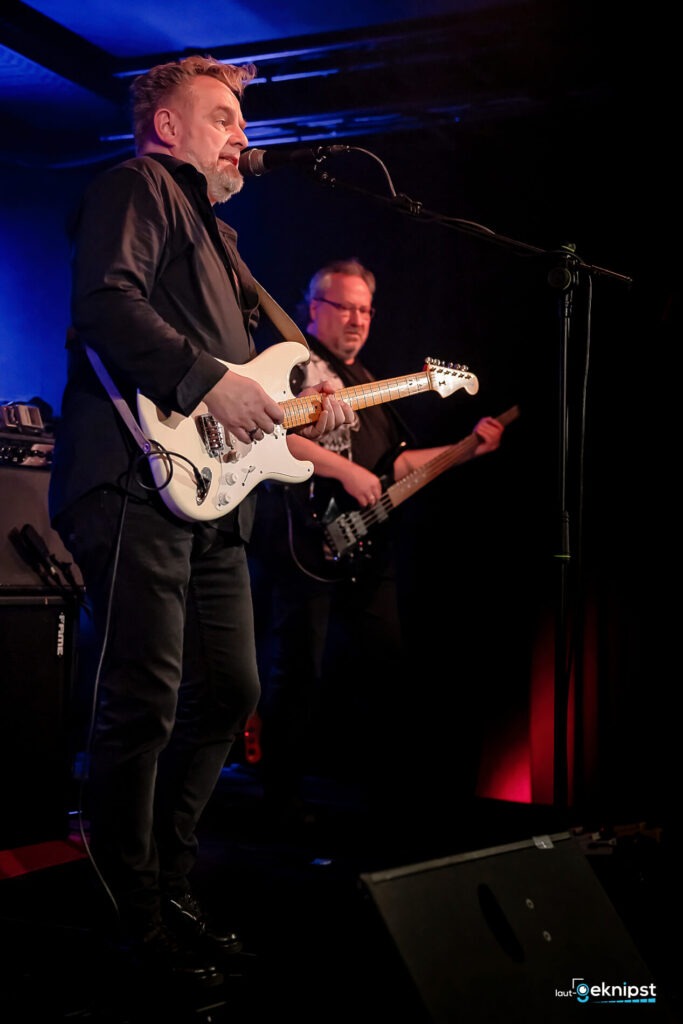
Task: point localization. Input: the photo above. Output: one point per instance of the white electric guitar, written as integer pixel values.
(202, 474)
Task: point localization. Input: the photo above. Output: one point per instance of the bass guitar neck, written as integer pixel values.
(348, 530)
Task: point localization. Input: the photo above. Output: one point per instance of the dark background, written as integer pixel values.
(559, 129)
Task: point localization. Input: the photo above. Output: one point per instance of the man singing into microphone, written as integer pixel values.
(160, 295)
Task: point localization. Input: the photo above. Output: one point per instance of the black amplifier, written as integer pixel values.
(20, 450)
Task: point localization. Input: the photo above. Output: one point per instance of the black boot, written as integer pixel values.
(162, 954)
(188, 920)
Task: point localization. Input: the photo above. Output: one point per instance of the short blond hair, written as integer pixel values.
(149, 90)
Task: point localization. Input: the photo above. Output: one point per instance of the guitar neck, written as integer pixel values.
(346, 531)
(307, 409)
(412, 482)
(459, 453)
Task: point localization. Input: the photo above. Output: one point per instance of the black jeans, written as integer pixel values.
(178, 679)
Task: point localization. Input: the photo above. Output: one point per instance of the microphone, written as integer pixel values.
(259, 161)
(33, 550)
(53, 565)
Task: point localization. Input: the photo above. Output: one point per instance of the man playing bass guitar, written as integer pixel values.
(311, 618)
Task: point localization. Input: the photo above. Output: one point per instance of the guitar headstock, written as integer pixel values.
(449, 377)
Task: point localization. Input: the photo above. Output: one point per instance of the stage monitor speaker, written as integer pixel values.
(38, 639)
(511, 935)
(24, 499)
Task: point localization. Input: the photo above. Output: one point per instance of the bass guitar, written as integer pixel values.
(348, 541)
(203, 473)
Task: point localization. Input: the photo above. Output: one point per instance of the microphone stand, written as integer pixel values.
(564, 277)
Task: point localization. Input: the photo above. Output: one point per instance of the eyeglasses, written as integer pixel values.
(344, 307)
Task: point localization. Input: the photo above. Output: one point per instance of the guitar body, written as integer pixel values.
(334, 539)
(321, 506)
(202, 473)
(228, 469)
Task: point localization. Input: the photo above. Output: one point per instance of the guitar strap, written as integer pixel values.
(279, 318)
(118, 400)
(275, 313)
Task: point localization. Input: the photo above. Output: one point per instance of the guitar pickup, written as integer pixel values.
(345, 532)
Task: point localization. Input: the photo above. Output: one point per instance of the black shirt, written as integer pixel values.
(158, 291)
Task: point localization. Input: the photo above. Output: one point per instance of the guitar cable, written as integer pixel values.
(85, 770)
(290, 542)
(168, 456)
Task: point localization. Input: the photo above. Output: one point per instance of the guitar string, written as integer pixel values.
(372, 393)
(459, 453)
(450, 457)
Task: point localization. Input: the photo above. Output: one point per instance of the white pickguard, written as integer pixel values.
(235, 468)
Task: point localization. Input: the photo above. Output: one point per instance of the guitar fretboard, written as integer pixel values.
(307, 409)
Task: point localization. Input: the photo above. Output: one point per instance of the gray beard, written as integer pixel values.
(222, 185)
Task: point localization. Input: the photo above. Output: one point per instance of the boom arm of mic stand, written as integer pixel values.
(404, 204)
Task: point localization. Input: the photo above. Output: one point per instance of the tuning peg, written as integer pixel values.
(459, 367)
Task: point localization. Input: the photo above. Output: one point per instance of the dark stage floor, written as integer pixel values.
(486, 912)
